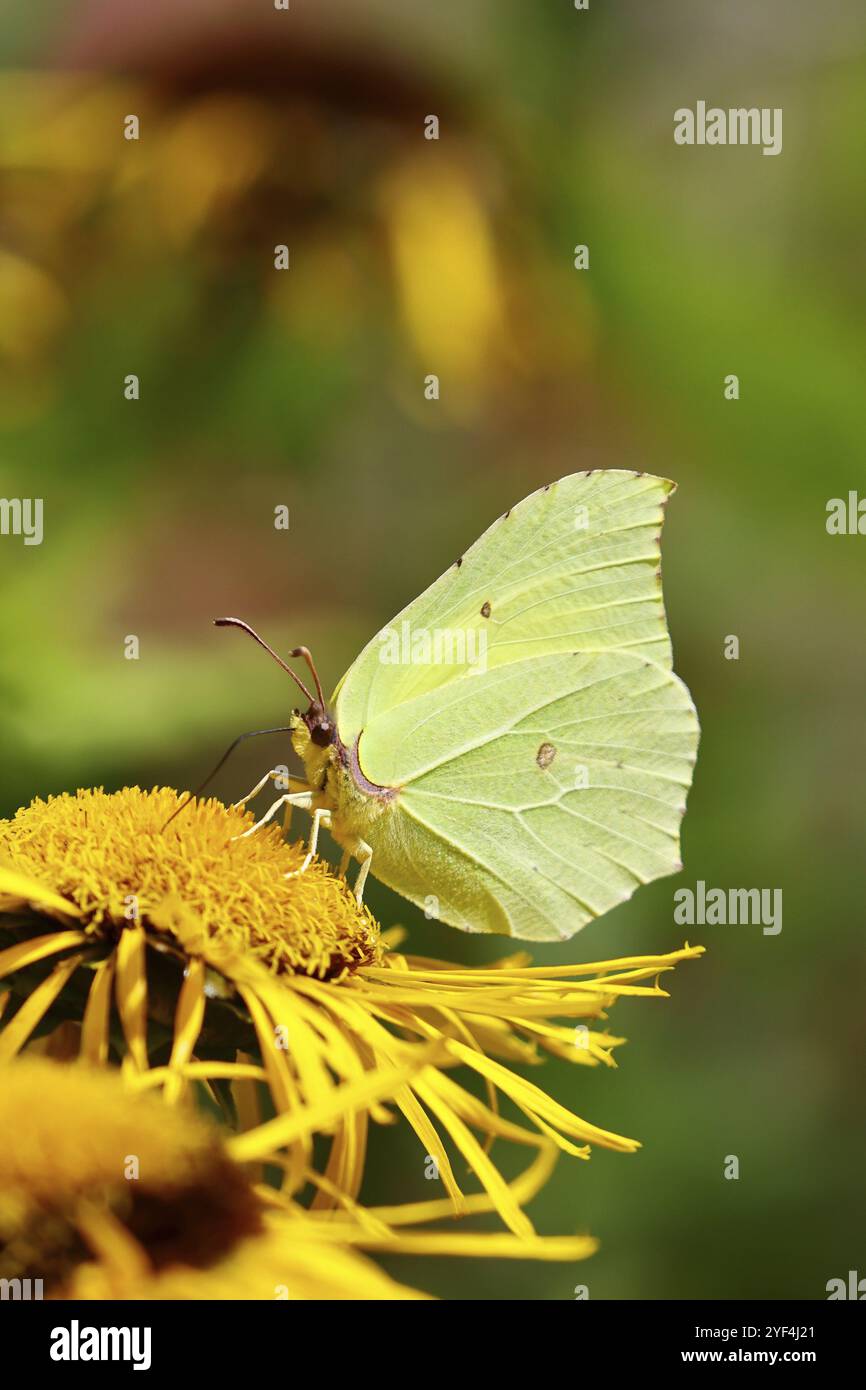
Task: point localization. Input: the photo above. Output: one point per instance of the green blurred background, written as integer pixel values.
(305, 389)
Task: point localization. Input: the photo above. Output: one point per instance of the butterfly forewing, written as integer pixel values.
(575, 566)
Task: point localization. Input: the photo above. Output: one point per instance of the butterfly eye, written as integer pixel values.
(320, 725)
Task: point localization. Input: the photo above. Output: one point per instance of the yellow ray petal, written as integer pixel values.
(523, 1189)
(131, 992)
(34, 1008)
(303, 1043)
(188, 1021)
(345, 1168)
(480, 1116)
(374, 1224)
(94, 1030)
(354, 1095)
(26, 953)
(20, 888)
(489, 1175)
(525, 1094)
(427, 1133)
(198, 1071)
(498, 1245)
(247, 1097)
(281, 1082)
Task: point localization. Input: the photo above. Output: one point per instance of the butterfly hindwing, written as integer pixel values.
(536, 796)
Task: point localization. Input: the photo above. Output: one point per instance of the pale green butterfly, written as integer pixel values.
(513, 753)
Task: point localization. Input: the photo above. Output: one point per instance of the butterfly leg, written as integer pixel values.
(303, 799)
(321, 817)
(364, 855)
(272, 776)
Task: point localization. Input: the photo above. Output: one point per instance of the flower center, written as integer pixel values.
(114, 858)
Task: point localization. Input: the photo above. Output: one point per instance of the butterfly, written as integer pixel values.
(513, 752)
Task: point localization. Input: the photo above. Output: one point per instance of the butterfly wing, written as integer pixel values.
(573, 567)
(536, 796)
(543, 764)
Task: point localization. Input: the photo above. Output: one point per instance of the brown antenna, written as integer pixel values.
(307, 656)
(298, 651)
(253, 733)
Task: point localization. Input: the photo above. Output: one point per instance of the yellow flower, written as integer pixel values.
(224, 954)
(105, 1194)
(110, 856)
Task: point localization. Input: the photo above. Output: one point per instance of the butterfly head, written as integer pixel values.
(319, 725)
(313, 736)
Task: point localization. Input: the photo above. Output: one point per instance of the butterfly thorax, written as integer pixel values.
(333, 771)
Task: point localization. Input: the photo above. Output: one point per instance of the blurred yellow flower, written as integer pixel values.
(105, 1194)
(445, 267)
